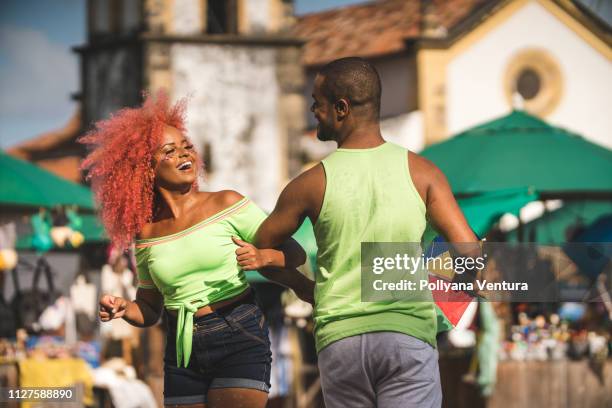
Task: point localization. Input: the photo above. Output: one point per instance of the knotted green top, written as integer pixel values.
(197, 266)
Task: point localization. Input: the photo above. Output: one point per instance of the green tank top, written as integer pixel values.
(369, 197)
(197, 266)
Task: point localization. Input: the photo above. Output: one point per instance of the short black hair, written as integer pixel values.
(355, 79)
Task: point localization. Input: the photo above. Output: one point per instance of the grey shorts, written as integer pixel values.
(381, 369)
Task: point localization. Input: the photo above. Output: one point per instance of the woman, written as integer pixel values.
(144, 174)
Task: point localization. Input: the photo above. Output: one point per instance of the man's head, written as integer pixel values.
(346, 92)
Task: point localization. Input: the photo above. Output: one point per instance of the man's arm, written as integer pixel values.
(442, 208)
(302, 198)
(444, 213)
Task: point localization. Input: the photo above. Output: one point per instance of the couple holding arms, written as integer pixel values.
(191, 249)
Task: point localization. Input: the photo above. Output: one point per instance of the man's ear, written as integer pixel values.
(341, 108)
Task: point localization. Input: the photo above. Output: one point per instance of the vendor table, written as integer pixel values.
(525, 384)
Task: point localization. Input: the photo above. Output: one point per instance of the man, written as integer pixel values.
(370, 353)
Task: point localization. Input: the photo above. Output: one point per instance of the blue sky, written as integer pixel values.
(38, 70)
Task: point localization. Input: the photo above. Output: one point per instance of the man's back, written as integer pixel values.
(370, 353)
(369, 197)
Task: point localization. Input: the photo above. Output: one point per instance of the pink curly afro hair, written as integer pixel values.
(120, 165)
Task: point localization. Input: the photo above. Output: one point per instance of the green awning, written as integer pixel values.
(25, 184)
(520, 150)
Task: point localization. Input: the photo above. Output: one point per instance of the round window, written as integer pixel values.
(534, 75)
(528, 84)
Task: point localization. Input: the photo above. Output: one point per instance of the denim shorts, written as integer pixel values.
(230, 349)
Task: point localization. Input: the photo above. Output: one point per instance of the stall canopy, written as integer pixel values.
(520, 150)
(559, 226)
(26, 185)
(484, 210)
(23, 184)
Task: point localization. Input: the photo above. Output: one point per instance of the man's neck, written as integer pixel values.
(362, 137)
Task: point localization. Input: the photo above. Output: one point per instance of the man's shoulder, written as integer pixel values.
(420, 165)
(315, 174)
(424, 174)
(306, 191)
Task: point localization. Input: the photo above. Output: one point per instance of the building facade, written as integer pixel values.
(449, 65)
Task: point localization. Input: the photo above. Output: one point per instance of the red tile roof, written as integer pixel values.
(50, 150)
(66, 167)
(48, 140)
(375, 28)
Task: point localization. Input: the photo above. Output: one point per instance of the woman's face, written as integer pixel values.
(175, 161)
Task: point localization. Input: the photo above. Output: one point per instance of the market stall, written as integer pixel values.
(530, 352)
(52, 255)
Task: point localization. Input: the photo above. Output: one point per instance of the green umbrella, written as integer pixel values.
(484, 210)
(551, 228)
(25, 184)
(520, 150)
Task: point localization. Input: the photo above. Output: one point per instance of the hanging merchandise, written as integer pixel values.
(8, 235)
(66, 226)
(76, 223)
(117, 279)
(30, 303)
(8, 322)
(8, 259)
(83, 296)
(8, 255)
(41, 226)
(61, 230)
(76, 239)
(74, 220)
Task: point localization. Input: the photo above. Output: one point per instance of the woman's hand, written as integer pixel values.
(112, 307)
(249, 257)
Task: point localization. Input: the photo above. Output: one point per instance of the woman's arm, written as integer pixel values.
(278, 265)
(142, 312)
(289, 255)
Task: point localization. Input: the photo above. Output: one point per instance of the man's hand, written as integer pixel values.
(112, 307)
(249, 257)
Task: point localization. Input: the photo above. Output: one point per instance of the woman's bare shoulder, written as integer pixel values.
(225, 198)
(146, 231)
